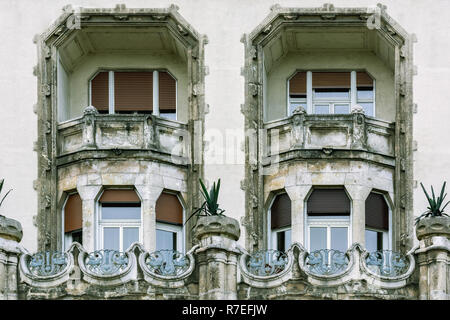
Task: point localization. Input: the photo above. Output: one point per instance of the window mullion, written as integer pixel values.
(111, 92)
(156, 93)
(353, 89)
(309, 92)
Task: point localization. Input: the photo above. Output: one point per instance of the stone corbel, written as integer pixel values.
(151, 140)
(359, 128)
(89, 114)
(297, 132)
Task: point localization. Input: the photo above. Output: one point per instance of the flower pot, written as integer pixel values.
(433, 226)
(10, 229)
(217, 225)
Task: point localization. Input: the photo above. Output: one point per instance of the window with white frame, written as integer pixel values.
(280, 223)
(328, 220)
(73, 230)
(331, 92)
(119, 219)
(169, 223)
(377, 223)
(155, 92)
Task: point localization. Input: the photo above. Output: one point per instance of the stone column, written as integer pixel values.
(358, 196)
(10, 236)
(217, 257)
(433, 258)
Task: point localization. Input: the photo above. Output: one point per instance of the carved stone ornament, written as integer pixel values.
(357, 109)
(90, 110)
(299, 110)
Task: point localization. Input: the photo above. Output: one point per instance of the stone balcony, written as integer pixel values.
(103, 135)
(316, 136)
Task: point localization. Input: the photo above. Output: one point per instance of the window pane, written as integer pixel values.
(165, 240)
(321, 109)
(365, 93)
(368, 108)
(339, 239)
(168, 115)
(121, 212)
(317, 239)
(130, 235)
(331, 94)
(287, 239)
(280, 241)
(111, 238)
(341, 108)
(374, 240)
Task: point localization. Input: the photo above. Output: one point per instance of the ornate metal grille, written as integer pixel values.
(167, 262)
(327, 262)
(267, 262)
(387, 263)
(106, 262)
(47, 263)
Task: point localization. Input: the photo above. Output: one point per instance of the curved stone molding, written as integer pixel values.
(107, 267)
(46, 269)
(167, 268)
(260, 260)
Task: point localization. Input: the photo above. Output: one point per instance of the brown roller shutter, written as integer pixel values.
(73, 213)
(331, 79)
(297, 84)
(119, 196)
(280, 212)
(169, 209)
(377, 212)
(167, 91)
(133, 91)
(100, 91)
(328, 202)
(363, 80)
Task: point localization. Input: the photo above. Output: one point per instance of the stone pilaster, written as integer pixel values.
(433, 258)
(10, 236)
(217, 257)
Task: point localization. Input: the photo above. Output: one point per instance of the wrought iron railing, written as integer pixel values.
(49, 263)
(106, 262)
(327, 262)
(167, 262)
(267, 262)
(387, 263)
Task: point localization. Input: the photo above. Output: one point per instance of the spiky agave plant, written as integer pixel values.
(1, 187)
(434, 210)
(210, 207)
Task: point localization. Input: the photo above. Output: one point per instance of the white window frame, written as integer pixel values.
(328, 223)
(178, 230)
(274, 238)
(311, 102)
(155, 90)
(101, 224)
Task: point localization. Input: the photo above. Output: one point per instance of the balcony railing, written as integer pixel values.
(348, 132)
(94, 131)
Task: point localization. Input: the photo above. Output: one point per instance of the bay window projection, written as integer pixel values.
(328, 220)
(73, 218)
(116, 92)
(331, 92)
(119, 221)
(377, 223)
(280, 223)
(169, 223)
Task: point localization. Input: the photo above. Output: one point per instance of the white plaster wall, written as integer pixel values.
(223, 22)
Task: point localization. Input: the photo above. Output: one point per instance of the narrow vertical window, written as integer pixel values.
(119, 219)
(280, 222)
(73, 218)
(169, 222)
(328, 220)
(100, 92)
(377, 223)
(365, 93)
(297, 92)
(167, 96)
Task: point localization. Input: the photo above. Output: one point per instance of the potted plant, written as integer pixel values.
(9, 228)
(211, 220)
(434, 221)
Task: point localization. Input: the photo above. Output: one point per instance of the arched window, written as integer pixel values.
(73, 218)
(134, 91)
(169, 222)
(328, 220)
(119, 219)
(280, 222)
(377, 223)
(331, 92)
